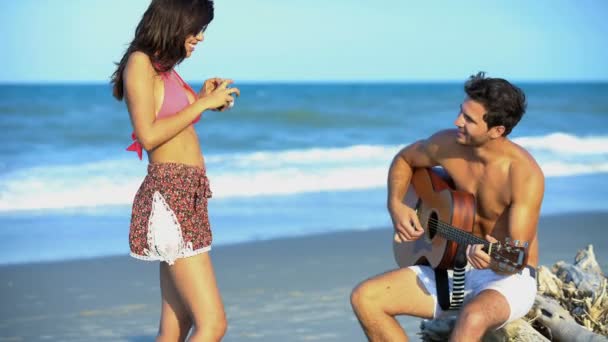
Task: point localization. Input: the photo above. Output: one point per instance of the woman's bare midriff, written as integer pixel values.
(184, 148)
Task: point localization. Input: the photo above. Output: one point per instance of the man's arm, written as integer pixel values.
(528, 188)
(527, 184)
(422, 153)
(400, 172)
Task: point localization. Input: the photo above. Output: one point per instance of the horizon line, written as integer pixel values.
(304, 82)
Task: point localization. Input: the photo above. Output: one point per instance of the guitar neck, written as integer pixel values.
(459, 236)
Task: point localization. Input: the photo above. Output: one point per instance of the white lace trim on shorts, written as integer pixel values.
(165, 239)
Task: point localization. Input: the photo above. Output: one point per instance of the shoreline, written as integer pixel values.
(546, 220)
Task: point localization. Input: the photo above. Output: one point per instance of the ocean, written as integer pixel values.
(287, 160)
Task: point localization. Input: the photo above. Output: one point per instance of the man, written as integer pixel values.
(508, 186)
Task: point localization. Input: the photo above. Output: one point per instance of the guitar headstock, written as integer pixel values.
(510, 256)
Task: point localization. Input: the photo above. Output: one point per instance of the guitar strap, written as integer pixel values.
(441, 280)
(443, 292)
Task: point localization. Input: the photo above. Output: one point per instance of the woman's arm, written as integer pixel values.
(139, 94)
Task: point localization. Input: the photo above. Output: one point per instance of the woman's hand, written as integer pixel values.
(220, 97)
(209, 86)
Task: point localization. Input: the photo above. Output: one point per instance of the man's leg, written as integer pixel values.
(488, 310)
(377, 300)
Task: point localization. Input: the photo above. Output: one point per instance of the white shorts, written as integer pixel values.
(518, 289)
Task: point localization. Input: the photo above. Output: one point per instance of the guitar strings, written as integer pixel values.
(453, 231)
(456, 234)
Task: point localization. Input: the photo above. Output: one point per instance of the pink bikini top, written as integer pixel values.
(174, 100)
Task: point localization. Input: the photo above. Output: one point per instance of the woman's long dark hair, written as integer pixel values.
(161, 34)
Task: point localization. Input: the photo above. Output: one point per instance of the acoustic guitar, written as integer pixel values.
(447, 216)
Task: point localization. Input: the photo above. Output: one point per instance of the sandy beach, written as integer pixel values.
(294, 289)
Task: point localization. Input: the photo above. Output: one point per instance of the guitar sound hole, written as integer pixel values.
(432, 224)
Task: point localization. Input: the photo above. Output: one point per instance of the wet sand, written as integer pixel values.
(294, 289)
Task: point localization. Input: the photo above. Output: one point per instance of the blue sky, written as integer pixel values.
(317, 40)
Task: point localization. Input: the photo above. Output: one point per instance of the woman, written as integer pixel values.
(169, 220)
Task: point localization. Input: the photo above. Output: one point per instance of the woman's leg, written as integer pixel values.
(175, 322)
(195, 282)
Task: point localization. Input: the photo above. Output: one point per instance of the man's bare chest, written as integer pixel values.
(489, 185)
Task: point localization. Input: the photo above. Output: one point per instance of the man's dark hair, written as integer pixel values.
(504, 102)
(161, 33)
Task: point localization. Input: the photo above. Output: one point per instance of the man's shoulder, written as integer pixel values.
(442, 139)
(523, 164)
(433, 148)
(443, 144)
(446, 135)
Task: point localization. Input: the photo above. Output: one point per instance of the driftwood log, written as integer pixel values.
(571, 305)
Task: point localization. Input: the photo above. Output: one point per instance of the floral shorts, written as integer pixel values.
(169, 218)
